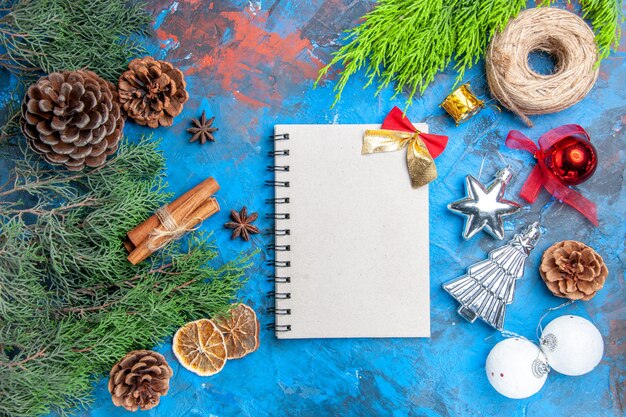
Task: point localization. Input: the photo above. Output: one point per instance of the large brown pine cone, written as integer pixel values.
(152, 92)
(573, 270)
(72, 118)
(139, 380)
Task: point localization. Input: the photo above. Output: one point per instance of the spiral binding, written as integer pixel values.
(277, 232)
(277, 216)
(279, 295)
(284, 152)
(274, 168)
(281, 280)
(281, 136)
(277, 183)
(279, 248)
(279, 264)
(279, 327)
(282, 200)
(282, 215)
(279, 311)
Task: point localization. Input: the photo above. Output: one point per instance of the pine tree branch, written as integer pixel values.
(83, 310)
(183, 285)
(57, 211)
(160, 270)
(408, 42)
(66, 287)
(56, 35)
(24, 361)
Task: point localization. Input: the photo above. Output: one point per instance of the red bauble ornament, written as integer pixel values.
(565, 156)
(572, 160)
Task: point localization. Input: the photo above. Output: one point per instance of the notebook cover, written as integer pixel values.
(358, 243)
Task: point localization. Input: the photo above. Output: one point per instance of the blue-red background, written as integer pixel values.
(252, 65)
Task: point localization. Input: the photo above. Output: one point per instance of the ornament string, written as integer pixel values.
(539, 365)
(542, 176)
(482, 164)
(547, 312)
(503, 161)
(171, 229)
(507, 334)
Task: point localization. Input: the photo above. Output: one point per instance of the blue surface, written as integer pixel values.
(251, 64)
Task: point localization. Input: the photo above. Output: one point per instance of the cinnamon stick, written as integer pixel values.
(200, 192)
(183, 216)
(128, 245)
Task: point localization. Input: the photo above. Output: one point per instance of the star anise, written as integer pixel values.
(203, 129)
(242, 224)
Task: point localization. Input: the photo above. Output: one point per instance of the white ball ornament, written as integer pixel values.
(572, 344)
(516, 368)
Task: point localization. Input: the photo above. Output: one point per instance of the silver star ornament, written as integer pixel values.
(483, 207)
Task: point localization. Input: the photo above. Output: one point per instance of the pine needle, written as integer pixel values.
(55, 35)
(605, 17)
(408, 42)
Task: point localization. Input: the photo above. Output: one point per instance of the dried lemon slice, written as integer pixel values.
(199, 346)
(240, 330)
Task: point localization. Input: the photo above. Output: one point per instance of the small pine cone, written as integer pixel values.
(139, 380)
(72, 118)
(152, 92)
(573, 270)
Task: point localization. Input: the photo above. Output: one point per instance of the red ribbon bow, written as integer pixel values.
(541, 175)
(396, 120)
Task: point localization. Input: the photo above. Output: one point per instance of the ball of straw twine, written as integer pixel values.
(559, 33)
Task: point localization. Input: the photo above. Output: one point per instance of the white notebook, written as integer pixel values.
(351, 238)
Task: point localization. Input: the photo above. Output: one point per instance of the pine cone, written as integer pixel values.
(139, 380)
(573, 270)
(72, 118)
(152, 92)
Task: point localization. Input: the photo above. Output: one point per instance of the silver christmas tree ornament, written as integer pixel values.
(485, 207)
(488, 286)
